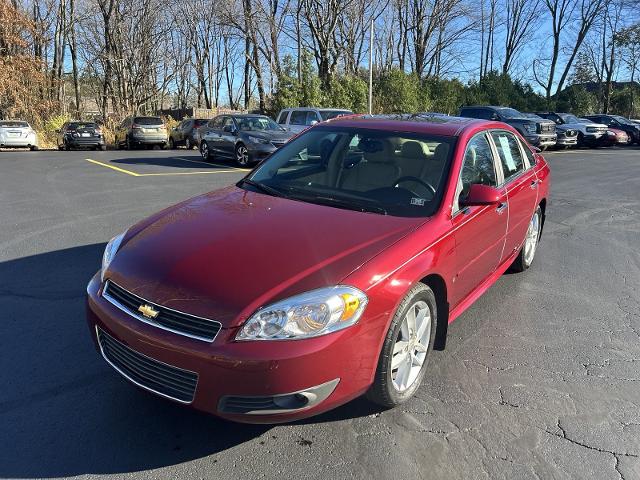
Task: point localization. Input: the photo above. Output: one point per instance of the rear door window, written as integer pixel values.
(509, 153)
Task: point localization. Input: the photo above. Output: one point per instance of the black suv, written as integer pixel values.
(619, 122)
(80, 135)
(538, 132)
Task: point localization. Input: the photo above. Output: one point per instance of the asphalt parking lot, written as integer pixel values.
(540, 378)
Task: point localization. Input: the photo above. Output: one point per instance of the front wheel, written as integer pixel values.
(172, 143)
(531, 240)
(205, 152)
(188, 144)
(406, 349)
(242, 155)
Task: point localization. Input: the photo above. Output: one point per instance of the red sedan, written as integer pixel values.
(331, 271)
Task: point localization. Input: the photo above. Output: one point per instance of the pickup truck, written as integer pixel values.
(539, 133)
(590, 133)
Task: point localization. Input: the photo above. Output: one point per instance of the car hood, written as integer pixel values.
(588, 124)
(224, 254)
(270, 135)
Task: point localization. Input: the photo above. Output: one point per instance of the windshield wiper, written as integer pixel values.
(345, 204)
(264, 188)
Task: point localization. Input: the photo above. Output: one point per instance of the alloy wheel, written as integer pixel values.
(188, 144)
(410, 349)
(242, 155)
(204, 150)
(531, 241)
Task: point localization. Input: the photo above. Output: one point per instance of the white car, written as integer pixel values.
(295, 120)
(17, 134)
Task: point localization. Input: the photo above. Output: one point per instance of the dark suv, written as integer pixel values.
(186, 133)
(619, 122)
(80, 135)
(540, 133)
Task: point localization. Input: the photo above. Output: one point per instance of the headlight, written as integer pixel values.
(257, 139)
(310, 314)
(530, 127)
(110, 252)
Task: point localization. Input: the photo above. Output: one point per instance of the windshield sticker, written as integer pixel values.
(506, 151)
(418, 201)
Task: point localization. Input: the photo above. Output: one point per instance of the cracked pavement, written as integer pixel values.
(540, 378)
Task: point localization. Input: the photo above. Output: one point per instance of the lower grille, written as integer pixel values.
(166, 318)
(158, 377)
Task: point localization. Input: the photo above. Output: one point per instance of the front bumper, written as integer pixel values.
(300, 378)
(260, 151)
(542, 140)
(567, 141)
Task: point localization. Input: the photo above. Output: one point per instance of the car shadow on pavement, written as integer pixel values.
(63, 410)
(195, 163)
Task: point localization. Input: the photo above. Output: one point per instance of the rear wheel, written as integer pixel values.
(406, 349)
(172, 143)
(33, 148)
(532, 238)
(128, 144)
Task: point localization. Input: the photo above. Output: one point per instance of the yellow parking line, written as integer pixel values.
(128, 172)
(187, 173)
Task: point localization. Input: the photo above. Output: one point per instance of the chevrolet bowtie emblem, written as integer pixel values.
(148, 311)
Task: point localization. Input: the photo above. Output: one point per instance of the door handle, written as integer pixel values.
(533, 184)
(501, 207)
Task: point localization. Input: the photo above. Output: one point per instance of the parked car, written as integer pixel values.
(330, 271)
(566, 137)
(245, 138)
(78, 134)
(539, 133)
(141, 131)
(615, 137)
(635, 120)
(186, 133)
(17, 134)
(297, 119)
(620, 123)
(589, 133)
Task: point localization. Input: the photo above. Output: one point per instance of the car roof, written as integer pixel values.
(436, 124)
(243, 115)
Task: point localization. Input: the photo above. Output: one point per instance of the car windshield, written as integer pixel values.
(14, 124)
(329, 114)
(257, 123)
(511, 113)
(383, 172)
(567, 118)
(147, 121)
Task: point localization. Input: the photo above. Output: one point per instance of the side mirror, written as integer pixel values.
(313, 122)
(228, 129)
(481, 195)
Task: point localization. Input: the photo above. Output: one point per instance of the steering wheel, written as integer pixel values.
(409, 178)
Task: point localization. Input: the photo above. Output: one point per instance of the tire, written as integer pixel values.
(172, 144)
(188, 144)
(205, 152)
(532, 238)
(60, 147)
(242, 155)
(102, 148)
(387, 390)
(128, 144)
(580, 140)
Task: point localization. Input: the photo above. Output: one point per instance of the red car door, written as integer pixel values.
(521, 186)
(479, 230)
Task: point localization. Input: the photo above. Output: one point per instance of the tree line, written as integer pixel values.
(124, 56)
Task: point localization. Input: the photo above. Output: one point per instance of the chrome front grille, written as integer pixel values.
(547, 127)
(158, 377)
(166, 318)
